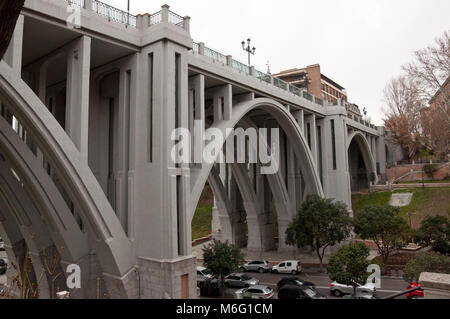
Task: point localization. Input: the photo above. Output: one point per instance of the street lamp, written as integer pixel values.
(248, 49)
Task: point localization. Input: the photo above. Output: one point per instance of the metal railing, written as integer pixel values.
(107, 11)
(269, 79)
(155, 18)
(173, 18)
(113, 13)
(79, 3)
(240, 67)
(176, 19)
(216, 56)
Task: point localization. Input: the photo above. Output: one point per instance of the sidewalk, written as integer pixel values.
(274, 257)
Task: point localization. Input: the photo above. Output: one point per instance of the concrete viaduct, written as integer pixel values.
(86, 173)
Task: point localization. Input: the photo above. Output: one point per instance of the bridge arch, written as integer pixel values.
(108, 238)
(357, 143)
(293, 133)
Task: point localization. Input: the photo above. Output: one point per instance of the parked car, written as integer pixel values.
(240, 281)
(2, 246)
(210, 287)
(202, 275)
(299, 292)
(414, 294)
(294, 281)
(256, 265)
(289, 267)
(338, 289)
(255, 292)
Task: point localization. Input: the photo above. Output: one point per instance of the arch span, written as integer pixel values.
(111, 243)
(293, 133)
(366, 153)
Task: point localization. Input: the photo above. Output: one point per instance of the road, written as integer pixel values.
(389, 286)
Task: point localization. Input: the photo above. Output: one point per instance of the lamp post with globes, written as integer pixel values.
(248, 49)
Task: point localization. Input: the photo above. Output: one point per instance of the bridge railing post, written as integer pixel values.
(187, 23)
(165, 13)
(201, 48)
(229, 60)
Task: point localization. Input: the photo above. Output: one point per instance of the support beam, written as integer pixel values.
(13, 55)
(78, 76)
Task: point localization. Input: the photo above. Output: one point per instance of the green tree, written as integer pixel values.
(426, 262)
(435, 231)
(384, 226)
(222, 259)
(349, 264)
(320, 223)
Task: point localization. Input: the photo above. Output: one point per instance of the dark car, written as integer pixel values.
(299, 292)
(294, 281)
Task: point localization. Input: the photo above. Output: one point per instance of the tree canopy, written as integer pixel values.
(349, 264)
(384, 226)
(222, 259)
(435, 231)
(320, 223)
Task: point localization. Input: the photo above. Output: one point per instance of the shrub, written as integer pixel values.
(426, 262)
(430, 169)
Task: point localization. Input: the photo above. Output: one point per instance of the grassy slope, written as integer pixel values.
(425, 202)
(201, 223)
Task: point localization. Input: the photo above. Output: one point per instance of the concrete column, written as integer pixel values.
(381, 152)
(88, 4)
(13, 55)
(77, 111)
(336, 177)
(223, 102)
(311, 120)
(197, 115)
(283, 225)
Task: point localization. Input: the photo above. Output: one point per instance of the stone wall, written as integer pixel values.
(413, 172)
(435, 286)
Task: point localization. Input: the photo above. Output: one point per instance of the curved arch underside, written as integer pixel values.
(366, 153)
(293, 132)
(109, 239)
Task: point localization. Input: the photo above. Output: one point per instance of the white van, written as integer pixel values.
(288, 267)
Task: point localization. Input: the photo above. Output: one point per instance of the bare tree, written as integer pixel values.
(403, 105)
(430, 70)
(9, 12)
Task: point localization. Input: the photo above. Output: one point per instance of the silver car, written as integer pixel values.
(257, 265)
(255, 292)
(202, 275)
(338, 289)
(240, 281)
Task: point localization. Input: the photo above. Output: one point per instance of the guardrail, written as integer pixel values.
(113, 13)
(168, 16)
(107, 11)
(250, 71)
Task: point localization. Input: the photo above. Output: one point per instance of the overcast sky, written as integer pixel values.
(360, 44)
